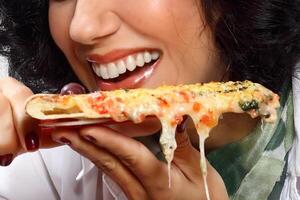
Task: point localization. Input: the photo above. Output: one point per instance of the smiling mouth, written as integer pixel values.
(125, 72)
(128, 73)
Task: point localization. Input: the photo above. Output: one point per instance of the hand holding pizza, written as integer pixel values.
(17, 132)
(137, 171)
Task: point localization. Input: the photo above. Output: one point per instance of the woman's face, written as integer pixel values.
(134, 43)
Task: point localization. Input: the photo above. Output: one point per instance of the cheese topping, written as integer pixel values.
(204, 103)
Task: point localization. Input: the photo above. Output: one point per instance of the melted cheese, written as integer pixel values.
(203, 165)
(204, 103)
(168, 144)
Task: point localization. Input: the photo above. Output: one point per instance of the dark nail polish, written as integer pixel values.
(72, 88)
(65, 141)
(32, 141)
(5, 160)
(89, 138)
(182, 126)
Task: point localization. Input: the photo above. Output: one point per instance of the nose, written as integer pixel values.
(92, 22)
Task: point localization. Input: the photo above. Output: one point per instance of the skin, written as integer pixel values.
(176, 28)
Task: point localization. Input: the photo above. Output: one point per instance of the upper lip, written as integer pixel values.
(114, 55)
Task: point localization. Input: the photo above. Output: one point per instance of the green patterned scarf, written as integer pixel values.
(254, 167)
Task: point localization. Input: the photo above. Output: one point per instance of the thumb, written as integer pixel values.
(186, 157)
(184, 146)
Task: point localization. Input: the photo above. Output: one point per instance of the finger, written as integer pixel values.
(132, 154)
(45, 137)
(187, 158)
(217, 189)
(17, 93)
(104, 160)
(9, 143)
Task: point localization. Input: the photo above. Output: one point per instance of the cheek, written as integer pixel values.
(171, 21)
(179, 27)
(60, 15)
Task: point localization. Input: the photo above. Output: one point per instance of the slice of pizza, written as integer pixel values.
(204, 103)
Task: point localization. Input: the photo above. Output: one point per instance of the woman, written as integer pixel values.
(110, 45)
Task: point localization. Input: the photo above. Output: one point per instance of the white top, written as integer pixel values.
(61, 173)
(289, 191)
(54, 174)
(58, 173)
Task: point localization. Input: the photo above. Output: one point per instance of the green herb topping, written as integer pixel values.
(248, 105)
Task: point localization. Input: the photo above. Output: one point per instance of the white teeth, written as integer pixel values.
(154, 55)
(140, 60)
(121, 67)
(96, 69)
(147, 57)
(103, 72)
(130, 63)
(112, 70)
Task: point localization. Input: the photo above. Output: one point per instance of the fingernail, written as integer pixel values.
(63, 140)
(6, 160)
(32, 141)
(89, 138)
(72, 88)
(182, 126)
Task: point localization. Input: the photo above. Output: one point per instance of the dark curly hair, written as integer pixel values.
(258, 39)
(25, 40)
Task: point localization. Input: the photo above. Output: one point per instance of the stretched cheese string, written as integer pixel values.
(203, 132)
(168, 144)
(203, 166)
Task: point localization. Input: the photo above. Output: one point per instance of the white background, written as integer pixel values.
(3, 67)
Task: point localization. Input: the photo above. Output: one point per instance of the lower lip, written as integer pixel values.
(133, 81)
